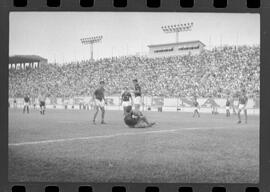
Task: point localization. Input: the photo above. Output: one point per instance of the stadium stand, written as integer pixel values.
(26, 61)
(212, 73)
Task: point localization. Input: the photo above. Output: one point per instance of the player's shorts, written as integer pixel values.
(42, 103)
(227, 107)
(99, 103)
(138, 100)
(196, 108)
(242, 107)
(26, 104)
(126, 103)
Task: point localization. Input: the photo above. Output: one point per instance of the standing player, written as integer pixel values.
(15, 103)
(135, 119)
(137, 94)
(214, 108)
(26, 103)
(34, 103)
(233, 105)
(99, 100)
(242, 106)
(41, 99)
(126, 99)
(228, 104)
(196, 109)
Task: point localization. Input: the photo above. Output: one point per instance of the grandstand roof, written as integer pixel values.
(25, 58)
(179, 43)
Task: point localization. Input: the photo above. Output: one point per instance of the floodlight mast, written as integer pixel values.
(91, 41)
(177, 28)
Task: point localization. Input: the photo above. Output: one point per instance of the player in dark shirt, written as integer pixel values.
(15, 103)
(135, 119)
(228, 104)
(41, 99)
(242, 105)
(137, 95)
(196, 109)
(26, 104)
(126, 99)
(99, 100)
(214, 107)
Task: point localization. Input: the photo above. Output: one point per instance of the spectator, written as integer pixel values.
(212, 73)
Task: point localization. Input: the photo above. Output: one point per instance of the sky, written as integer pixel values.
(56, 35)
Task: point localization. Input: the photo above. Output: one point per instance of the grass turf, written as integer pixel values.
(179, 149)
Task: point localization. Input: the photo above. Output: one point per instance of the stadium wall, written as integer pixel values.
(149, 104)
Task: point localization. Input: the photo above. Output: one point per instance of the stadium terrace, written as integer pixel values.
(214, 73)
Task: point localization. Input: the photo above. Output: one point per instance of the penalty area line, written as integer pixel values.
(112, 135)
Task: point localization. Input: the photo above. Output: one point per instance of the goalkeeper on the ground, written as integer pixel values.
(135, 119)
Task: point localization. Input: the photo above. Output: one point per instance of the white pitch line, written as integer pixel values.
(110, 136)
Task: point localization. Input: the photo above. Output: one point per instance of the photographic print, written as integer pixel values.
(134, 97)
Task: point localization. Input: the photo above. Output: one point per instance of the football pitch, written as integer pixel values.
(64, 146)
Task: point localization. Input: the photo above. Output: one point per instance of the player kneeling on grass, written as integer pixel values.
(135, 119)
(242, 106)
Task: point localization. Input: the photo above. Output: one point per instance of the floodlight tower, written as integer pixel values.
(91, 41)
(177, 28)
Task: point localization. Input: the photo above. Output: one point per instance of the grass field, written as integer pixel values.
(63, 146)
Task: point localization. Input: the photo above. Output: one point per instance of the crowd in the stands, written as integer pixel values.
(212, 73)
